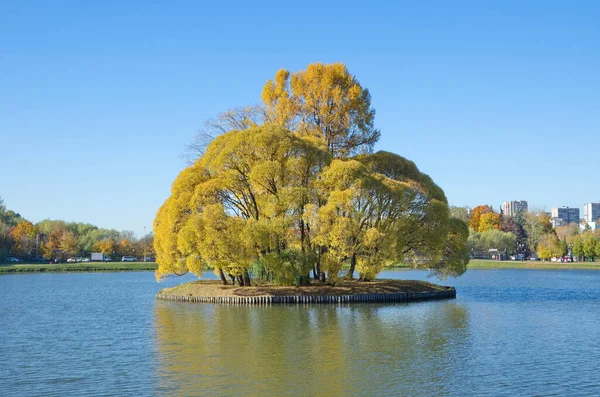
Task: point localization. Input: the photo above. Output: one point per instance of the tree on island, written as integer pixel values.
(302, 192)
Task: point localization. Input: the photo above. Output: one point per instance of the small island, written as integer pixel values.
(288, 202)
(211, 291)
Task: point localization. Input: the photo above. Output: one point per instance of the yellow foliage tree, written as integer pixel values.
(265, 196)
(68, 243)
(51, 246)
(324, 101)
(489, 221)
(381, 209)
(476, 215)
(242, 200)
(107, 246)
(303, 192)
(549, 246)
(24, 237)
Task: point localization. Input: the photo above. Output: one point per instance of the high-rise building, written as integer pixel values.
(512, 208)
(567, 214)
(591, 212)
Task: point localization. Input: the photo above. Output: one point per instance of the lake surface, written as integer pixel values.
(509, 332)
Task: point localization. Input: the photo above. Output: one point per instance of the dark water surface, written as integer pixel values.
(509, 333)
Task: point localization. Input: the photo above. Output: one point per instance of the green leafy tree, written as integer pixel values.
(48, 226)
(9, 217)
(536, 224)
(589, 244)
(459, 213)
(492, 239)
(564, 248)
(578, 250)
(6, 241)
(88, 239)
(514, 225)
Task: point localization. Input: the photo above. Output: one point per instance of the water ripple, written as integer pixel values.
(509, 333)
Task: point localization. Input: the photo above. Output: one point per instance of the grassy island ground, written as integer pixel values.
(78, 267)
(213, 288)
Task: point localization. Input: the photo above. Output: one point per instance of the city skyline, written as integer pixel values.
(594, 204)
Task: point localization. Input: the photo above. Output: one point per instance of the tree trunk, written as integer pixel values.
(232, 279)
(223, 278)
(317, 269)
(350, 274)
(247, 279)
(240, 280)
(302, 234)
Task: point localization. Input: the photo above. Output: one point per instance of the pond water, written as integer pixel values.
(509, 332)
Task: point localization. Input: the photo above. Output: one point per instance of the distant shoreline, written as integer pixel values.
(151, 266)
(492, 264)
(78, 267)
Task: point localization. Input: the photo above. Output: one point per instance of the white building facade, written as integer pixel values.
(512, 208)
(591, 212)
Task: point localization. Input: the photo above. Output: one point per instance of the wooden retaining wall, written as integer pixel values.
(449, 293)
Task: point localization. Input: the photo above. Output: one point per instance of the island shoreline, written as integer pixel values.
(378, 291)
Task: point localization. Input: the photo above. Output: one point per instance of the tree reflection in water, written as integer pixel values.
(315, 350)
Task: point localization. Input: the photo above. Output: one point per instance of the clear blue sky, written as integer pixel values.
(98, 99)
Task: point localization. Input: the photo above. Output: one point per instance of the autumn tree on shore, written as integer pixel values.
(550, 246)
(24, 238)
(484, 218)
(58, 239)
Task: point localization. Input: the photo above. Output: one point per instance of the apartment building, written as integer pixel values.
(567, 214)
(512, 208)
(591, 212)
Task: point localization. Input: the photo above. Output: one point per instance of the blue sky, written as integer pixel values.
(97, 101)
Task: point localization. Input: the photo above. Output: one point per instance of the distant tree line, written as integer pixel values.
(59, 240)
(528, 234)
(583, 244)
